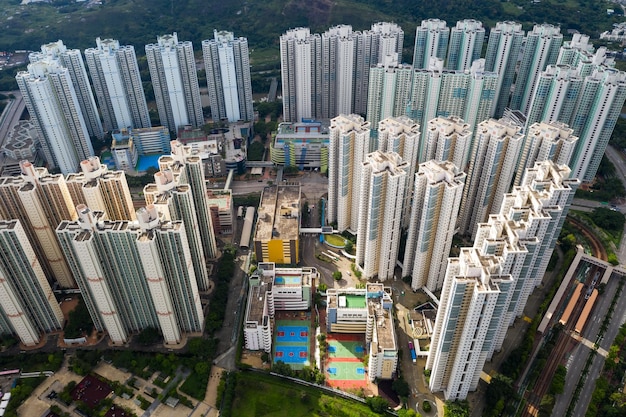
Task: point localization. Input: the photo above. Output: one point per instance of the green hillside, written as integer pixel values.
(139, 22)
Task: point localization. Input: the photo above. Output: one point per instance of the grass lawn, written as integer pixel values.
(335, 240)
(264, 395)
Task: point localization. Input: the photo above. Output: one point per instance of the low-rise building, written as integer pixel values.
(301, 145)
(278, 225)
(274, 289)
(220, 204)
(369, 311)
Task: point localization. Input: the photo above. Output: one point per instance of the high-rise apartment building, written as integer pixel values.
(28, 307)
(348, 147)
(383, 181)
(73, 61)
(54, 107)
(40, 201)
(589, 105)
(117, 83)
(327, 75)
(540, 50)
(389, 90)
(338, 63)
(175, 202)
(101, 189)
(448, 139)
(175, 82)
(439, 92)
(466, 44)
(488, 285)
(579, 53)
(436, 202)
(494, 156)
(543, 141)
(555, 95)
(227, 65)
(372, 48)
(134, 275)
(503, 48)
(401, 135)
(301, 74)
(188, 168)
(431, 41)
(473, 299)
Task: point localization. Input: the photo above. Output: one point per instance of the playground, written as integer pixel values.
(291, 343)
(344, 367)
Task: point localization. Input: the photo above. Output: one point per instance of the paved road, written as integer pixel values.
(619, 160)
(12, 116)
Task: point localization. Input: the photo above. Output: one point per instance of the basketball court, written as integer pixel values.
(291, 343)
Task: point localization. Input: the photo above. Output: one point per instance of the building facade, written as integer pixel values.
(540, 50)
(50, 97)
(431, 41)
(28, 307)
(466, 44)
(73, 61)
(436, 202)
(175, 82)
(495, 152)
(104, 190)
(40, 201)
(349, 144)
(227, 65)
(154, 288)
(503, 49)
(383, 181)
(117, 83)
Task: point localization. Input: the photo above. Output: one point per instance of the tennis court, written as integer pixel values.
(292, 343)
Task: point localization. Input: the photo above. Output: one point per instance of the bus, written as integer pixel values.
(412, 350)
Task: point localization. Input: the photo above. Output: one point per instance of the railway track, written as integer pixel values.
(598, 249)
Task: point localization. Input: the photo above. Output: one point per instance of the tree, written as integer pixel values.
(337, 275)
(377, 404)
(322, 287)
(149, 336)
(456, 409)
(349, 246)
(401, 387)
(608, 219)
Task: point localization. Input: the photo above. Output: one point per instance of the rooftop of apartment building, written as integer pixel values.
(279, 213)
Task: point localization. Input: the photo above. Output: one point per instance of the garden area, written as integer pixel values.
(335, 240)
(258, 394)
